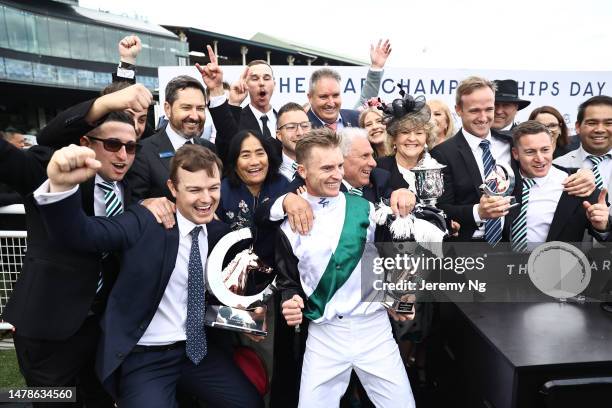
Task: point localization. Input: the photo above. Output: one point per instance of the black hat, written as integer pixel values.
(507, 91)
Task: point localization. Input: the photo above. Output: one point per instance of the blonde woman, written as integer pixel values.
(441, 114)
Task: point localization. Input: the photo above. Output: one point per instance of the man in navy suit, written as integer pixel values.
(325, 98)
(153, 334)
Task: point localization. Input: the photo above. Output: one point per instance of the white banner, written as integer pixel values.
(564, 90)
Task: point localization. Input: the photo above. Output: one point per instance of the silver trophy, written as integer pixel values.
(429, 179)
(502, 177)
(238, 311)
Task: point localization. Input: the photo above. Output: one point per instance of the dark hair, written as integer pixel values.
(233, 153)
(192, 158)
(179, 83)
(595, 100)
(115, 116)
(288, 107)
(321, 137)
(563, 138)
(530, 127)
(114, 87)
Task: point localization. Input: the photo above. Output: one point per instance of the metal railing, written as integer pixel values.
(13, 245)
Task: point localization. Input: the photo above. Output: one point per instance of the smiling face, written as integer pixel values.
(442, 121)
(359, 162)
(197, 194)
(287, 137)
(252, 164)
(325, 99)
(477, 111)
(504, 114)
(410, 143)
(534, 154)
(114, 164)
(376, 128)
(260, 83)
(323, 171)
(596, 129)
(187, 113)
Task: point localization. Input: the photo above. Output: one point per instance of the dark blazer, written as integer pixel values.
(149, 257)
(569, 221)
(56, 286)
(151, 168)
(461, 181)
(350, 118)
(229, 120)
(396, 179)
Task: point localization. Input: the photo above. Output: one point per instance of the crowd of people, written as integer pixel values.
(121, 219)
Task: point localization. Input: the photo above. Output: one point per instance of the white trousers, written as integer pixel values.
(362, 343)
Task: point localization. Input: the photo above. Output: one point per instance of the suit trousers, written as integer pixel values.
(64, 363)
(150, 379)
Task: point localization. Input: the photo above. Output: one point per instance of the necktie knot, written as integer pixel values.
(485, 145)
(332, 126)
(597, 159)
(356, 191)
(294, 166)
(106, 186)
(188, 142)
(194, 232)
(528, 183)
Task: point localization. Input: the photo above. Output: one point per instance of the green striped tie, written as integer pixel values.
(356, 191)
(519, 226)
(111, 199)
(596, 160)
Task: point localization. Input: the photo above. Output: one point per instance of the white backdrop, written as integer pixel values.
(564, 90)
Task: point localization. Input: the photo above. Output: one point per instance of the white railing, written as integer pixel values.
(13, 245)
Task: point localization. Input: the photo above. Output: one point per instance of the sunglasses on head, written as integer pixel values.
(114, 145)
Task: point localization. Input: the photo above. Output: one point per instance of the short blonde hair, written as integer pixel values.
(471, 84)
(320, 137)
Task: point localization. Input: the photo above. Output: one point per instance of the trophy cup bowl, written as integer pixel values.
(237, 312)
(502, 177)
(429, 179)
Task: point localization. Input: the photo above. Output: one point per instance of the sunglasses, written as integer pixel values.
(114, 145)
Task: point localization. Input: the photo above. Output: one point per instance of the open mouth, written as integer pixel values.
(255, 171)
(119, 166)
(203, 210)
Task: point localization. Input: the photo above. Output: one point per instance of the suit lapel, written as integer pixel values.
(469, 160)
(87, 196)
(170, 254)
(565, 208)
(164, 149)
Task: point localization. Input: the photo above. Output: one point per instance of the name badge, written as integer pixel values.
(165, 155)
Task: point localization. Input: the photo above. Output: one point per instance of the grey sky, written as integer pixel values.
(472, 34)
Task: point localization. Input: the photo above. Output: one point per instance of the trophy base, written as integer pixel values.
(400, 307)
(232, 318)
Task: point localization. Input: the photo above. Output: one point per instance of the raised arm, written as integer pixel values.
(378, 57)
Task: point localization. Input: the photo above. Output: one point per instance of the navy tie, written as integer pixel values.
(196, 303)
(492, 226)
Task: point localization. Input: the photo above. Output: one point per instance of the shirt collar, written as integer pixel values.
(99, 179)
(258, 114)
(321, 202)
(507, 128)
(474, 141)
(185, 226)
(586, 154)
(287, 161)
(177, 140)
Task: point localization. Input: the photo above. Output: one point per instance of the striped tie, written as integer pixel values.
(293, 169)
(356, 191)
(493, 228)
(111, 199)
(519, 226)
(596, 160)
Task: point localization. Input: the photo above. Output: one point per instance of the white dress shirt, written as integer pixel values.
(501, 153)
(605, 167)
(409, 177)
(544, 196)
(271, 119)
(177, 140)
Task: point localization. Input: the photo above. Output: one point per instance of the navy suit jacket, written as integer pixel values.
(350, 118)
(148, 258)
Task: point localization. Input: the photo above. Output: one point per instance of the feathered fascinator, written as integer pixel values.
(406, 105)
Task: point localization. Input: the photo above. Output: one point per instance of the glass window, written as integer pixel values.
(18, 70)
(95, 37)
(58, 38)
(45, 73)
(4, 42)
(30, 28)
(158, 58)
(16, 29)
(86, 79)
(79, 48)
(144, 59)
(67, 76)
(42, 33)
(112, 38)
(101, 79)
(2, 72)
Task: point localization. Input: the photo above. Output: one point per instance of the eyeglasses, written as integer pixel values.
(114, 145)
(292, 127)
